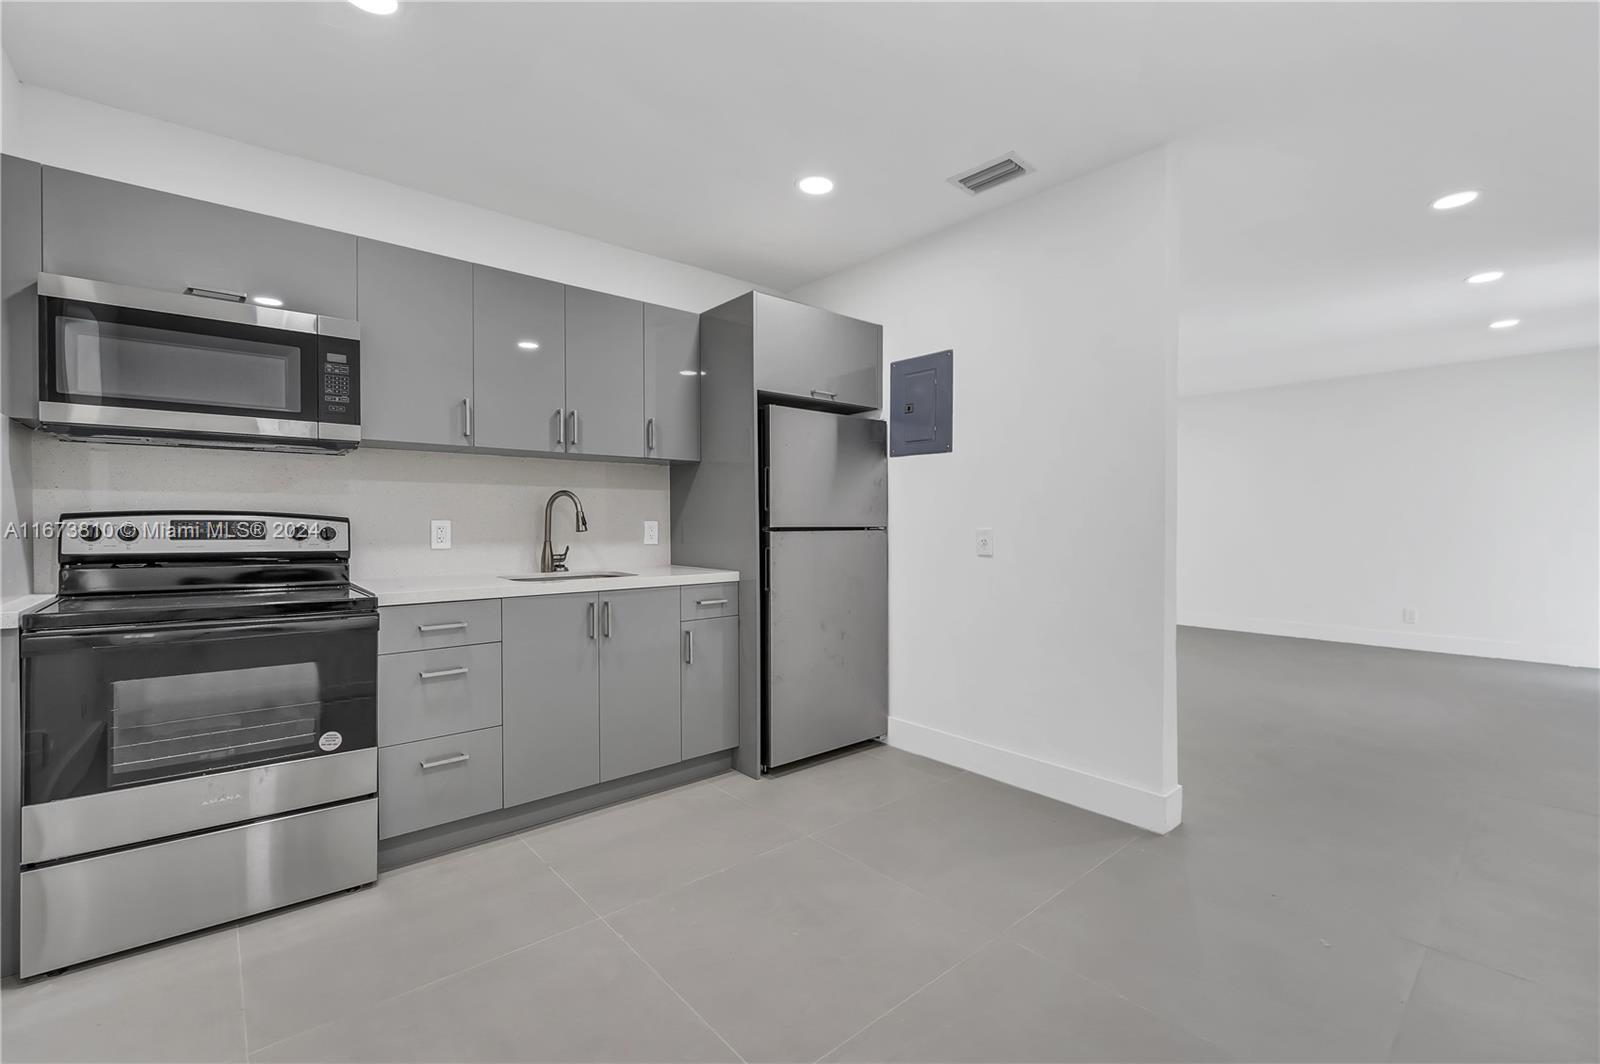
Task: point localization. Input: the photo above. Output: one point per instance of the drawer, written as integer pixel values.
(426, 693)
(438, 624)
(435, 781)
(698, 601)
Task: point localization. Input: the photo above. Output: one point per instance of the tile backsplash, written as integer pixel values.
(495, 503)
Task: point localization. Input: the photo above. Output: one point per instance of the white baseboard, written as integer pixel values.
(1149, 810)
(1434, 642)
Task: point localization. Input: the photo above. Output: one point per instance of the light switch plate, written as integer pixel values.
(439, 535)
(986, 543)
(652, 533)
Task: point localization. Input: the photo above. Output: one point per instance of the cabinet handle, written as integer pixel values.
(650, 434)
(459, 670)
(591, 620)
(572, 428)
(561, 427)
(452, 626)
(711, 602)
(605, 619)
(215, 293)
(688, 646)
(453, 759)
(818, 393)
(466, 416)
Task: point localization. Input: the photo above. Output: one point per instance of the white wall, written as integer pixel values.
(1050, 665)
(1469, 493)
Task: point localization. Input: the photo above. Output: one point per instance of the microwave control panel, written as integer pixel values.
(340, 382)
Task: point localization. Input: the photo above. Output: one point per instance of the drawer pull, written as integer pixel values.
(459, 670)
(453, 626)
(453, 759)
(818, 393)
(712, 602)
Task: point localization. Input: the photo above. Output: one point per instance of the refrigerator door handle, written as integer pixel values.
(766, 568)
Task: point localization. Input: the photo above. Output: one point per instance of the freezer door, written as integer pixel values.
(827, 622)
(825, 470)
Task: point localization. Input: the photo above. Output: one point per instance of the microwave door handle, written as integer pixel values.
(121, 638)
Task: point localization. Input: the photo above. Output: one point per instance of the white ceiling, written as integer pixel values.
(1313, 137)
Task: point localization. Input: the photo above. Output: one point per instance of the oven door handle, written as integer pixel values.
(120, 638)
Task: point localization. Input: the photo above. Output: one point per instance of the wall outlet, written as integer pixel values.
(652, 533)
(1408, 615)
(986, 543)
(439, 535)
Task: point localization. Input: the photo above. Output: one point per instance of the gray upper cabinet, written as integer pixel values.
(416, 345)
(710, 686)
(671, 384)
(551, 695)
(19, 277)
(641, 723)
(815, 354)
(109, 231)
(521, 355)
(605, 374)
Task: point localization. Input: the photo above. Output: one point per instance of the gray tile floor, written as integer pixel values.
(1385, 855)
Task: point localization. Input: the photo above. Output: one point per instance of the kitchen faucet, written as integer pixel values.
(549, 561)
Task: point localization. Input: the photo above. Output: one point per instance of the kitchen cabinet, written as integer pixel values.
(641, 724)
(710, 686)
(605, 374)
(20, 257)
(416, 345)
(671, 384)
(432, 625)
(810, 353)
(520, 354)
(428, 693)
(551, 699)
(125, 234)
(434, 781)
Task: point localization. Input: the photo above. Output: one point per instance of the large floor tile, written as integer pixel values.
(617, 856)
(1461, 1011)
(581, 996)
(991, 851)
(1009, 1004)
(791, 953)
(825, 793)
(1262, 981)
(311, 964)
(1527, 899)
(175, 1002)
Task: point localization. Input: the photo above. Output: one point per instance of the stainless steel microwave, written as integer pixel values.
(121, 363)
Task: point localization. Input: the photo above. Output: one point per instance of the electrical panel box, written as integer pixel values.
(920, 405)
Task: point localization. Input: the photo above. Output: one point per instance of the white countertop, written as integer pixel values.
(12, 608)
(461, 587)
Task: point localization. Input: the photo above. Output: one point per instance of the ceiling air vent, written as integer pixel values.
(987, 176)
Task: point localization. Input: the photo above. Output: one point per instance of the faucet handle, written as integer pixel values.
(558, 562)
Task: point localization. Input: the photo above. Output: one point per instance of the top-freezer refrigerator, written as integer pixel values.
(825, 582)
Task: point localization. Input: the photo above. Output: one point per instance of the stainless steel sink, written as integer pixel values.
(592, 574)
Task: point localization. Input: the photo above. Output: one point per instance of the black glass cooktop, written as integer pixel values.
(166, 607)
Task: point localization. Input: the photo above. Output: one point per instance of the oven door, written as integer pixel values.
(114, 708)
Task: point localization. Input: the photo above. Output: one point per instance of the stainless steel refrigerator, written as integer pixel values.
(825, 582)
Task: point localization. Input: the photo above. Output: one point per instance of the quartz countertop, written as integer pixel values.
(17, 605)
(463, 587)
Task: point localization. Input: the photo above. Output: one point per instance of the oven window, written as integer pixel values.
(142, 363)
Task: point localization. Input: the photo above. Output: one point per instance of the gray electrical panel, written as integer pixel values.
(920, 405)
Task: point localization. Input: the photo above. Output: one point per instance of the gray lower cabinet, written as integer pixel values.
(551, 695)
(431, 625)
(520, 358)
(434, 781)
(110, 231)
(671, 384)
(710, 686)
(416, 345)
(812, 353)
(641, 723)
(428, 693)
(605, 374)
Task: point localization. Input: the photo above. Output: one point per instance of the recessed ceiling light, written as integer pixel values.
(816, 185)
(528, 345)
(1486, 277)
(267, 301)
(1505, 323)
(377, 7)
(1454, 200)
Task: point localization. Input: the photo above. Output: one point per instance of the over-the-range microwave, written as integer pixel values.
(133, 365)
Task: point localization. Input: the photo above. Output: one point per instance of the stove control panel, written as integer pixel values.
(156, 533)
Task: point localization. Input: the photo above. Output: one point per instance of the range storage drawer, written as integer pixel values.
(435, 781)
(700, 601)
(438, 624)
(427, 693)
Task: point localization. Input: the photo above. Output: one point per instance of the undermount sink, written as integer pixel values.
(592, 574)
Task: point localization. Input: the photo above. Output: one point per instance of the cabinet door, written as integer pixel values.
(816, 354)
(671, 384)
(520, 362)
(641, 724)
(416, 345)
(605, 374)
(19, 279)
(710, 686)
(109, 231)
(551, 697)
